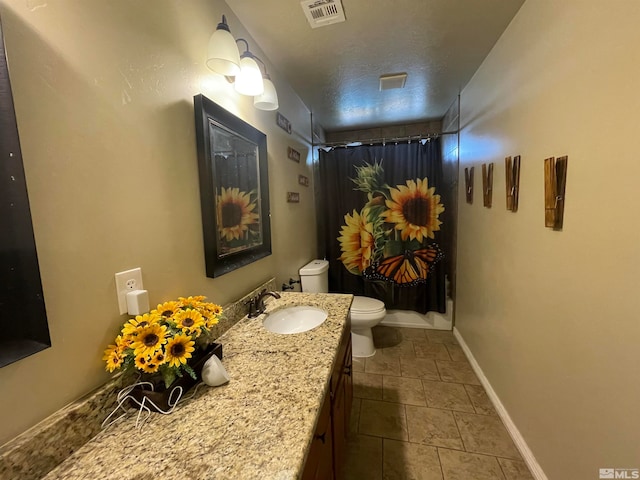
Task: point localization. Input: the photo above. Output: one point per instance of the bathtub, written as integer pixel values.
(432, 320)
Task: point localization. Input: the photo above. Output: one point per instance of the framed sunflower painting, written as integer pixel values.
(234, 188)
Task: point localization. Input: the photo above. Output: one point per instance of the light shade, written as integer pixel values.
(269, 98)
(249, 79)
(222, 54)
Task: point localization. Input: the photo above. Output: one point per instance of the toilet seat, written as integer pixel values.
(366, 305)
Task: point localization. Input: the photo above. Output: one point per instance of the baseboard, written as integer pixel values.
(521, 444)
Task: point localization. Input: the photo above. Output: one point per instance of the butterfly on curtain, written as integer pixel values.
(407, 269)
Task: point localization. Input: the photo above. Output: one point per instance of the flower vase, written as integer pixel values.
(162, 398)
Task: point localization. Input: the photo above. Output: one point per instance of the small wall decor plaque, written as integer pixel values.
(487, 184)
(293, 197)
(468, 184)
(283, 123)
(293, 154)
(555, 181)
(302, 180)
(512, 174)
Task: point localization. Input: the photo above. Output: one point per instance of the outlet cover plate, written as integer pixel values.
(126, 282)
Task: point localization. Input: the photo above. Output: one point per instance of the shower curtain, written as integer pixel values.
(381, 224)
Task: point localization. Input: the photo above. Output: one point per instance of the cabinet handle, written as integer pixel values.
(320, 437)
(347, 370)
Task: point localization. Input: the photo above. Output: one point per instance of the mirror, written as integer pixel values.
(234, 188)
(22, 310)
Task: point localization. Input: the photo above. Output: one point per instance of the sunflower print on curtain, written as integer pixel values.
(391, 238)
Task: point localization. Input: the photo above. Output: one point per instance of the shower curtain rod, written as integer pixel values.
(382, 140)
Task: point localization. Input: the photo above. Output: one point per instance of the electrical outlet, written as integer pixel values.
(127, 281)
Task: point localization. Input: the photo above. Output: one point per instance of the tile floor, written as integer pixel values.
(420, 413)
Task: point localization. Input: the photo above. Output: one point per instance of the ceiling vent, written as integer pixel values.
(393, 80)
(320, 13)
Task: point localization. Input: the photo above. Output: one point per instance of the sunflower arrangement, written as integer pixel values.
(392, 237)
(162, 341)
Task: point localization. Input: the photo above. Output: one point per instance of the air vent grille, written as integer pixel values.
(320, 13)
(392, 81)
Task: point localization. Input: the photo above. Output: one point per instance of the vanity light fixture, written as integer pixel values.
(268, 100)
(222, 55)
(249, 80)
(242, 70)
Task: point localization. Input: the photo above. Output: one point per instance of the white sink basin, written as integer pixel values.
(294, 319)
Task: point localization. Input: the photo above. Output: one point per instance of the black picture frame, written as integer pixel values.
(234, 188)
(23, 314)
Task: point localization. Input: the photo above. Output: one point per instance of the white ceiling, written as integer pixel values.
(335, 69)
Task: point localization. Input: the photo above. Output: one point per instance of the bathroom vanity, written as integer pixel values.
(283, 415)
(328, 445)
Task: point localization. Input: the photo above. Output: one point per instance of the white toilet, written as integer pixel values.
(365, 312)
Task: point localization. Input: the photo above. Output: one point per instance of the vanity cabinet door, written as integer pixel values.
(348, 386)
(341, 403)
(329, 444)
(339, 430)
(319, 465)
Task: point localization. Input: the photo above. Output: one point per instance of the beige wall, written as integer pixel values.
(103, 93)
(553, 317)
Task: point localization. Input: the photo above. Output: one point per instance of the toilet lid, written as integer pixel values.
(366, 305)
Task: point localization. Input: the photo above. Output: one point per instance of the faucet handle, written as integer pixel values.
(252, 304)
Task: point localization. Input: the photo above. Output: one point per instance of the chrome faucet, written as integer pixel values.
(256, 305)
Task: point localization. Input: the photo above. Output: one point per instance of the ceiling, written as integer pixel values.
(335, 69)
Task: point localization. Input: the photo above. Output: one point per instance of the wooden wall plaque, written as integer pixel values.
(512, 182)
(468, 184)
(487, 184)
(555, 181)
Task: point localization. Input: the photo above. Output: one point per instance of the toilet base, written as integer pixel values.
(362, 343)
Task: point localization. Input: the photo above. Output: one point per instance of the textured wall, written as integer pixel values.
(552, 317)
(103, 93)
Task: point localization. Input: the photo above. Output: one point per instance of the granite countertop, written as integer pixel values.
(259, 425)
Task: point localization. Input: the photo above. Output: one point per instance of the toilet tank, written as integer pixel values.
(314, 277)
